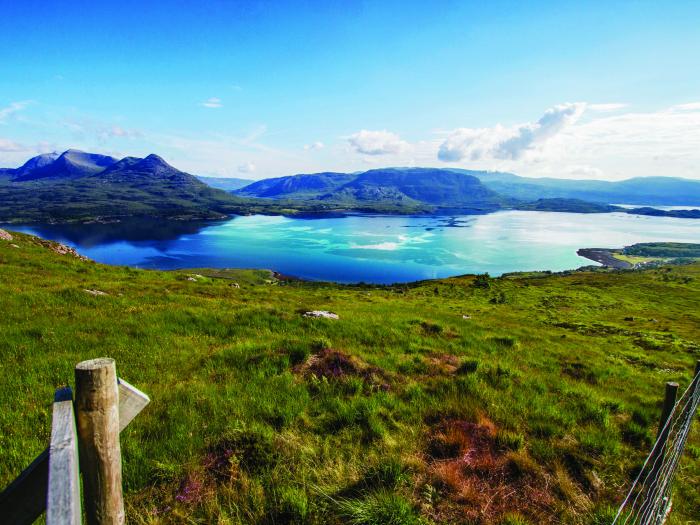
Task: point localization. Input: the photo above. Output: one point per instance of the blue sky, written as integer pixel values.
(257, 89)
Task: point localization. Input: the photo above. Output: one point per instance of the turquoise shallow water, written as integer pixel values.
(377, 249)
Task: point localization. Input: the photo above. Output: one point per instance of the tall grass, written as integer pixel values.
(249, 424)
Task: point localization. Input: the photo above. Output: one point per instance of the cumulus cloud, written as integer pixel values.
(509, 143)
(14, 107)
(314, 146)
(619, 145)
(212, 102)
(377, 142)
(248, 167)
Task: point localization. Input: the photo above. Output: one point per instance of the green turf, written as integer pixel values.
(538, 408)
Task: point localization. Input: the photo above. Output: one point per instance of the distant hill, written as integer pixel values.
(436, 187)
(659, 191)
(225, 183)
(568, 205)
(411, 188)
(304, 186)
(86, 186)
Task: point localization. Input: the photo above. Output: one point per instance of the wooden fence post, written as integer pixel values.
(97, 413)
(24, 500)
(669, 403)
(659, 450)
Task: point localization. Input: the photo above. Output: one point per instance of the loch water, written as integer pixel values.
(369, 248)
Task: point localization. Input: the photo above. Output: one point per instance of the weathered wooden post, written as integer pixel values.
(25, 499)
(669, 403)
(97, 414)
(656, 457)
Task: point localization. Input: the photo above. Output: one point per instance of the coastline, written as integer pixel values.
(605, 257)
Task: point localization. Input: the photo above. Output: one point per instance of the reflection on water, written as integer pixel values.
(131, 230)
(380, 249)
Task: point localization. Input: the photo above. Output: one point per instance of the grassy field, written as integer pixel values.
(658, 253)
(525, 399)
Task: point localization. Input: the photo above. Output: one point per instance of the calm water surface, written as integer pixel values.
(377, 249)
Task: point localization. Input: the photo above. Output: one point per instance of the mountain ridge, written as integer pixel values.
(81, 186)
(510, 188)
(664, 191)
(85, 186)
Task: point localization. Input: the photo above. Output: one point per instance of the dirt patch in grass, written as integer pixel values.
(479, 480)
(334, 364)
(442, 364)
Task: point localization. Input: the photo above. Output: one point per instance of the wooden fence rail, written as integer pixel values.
(63, 494)
(51, 482)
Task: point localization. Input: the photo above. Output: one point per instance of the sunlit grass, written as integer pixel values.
(260, 415)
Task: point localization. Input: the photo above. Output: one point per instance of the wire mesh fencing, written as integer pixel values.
(648, 501)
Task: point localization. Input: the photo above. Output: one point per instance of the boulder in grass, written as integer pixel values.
(96, 292)
(321, 314)
(5, 235)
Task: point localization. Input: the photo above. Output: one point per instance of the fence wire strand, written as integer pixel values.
(649, 498)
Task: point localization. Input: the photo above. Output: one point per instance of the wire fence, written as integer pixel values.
(649, 500)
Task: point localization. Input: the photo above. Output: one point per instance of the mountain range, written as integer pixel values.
(441, 187)
(86, 186)
(82, 187)
(658, 191)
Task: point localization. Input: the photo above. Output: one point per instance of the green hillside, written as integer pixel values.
(530, 398)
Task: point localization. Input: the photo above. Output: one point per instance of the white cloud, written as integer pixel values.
(605, 108)
(9, 146)
(118, 131)
(14, 107)
(91, 129)
(377, 142)
(212, 102)
(585, 171)
(509, 143)
(691, 106)
(664, 142)
(314, 147)
(248, 167)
